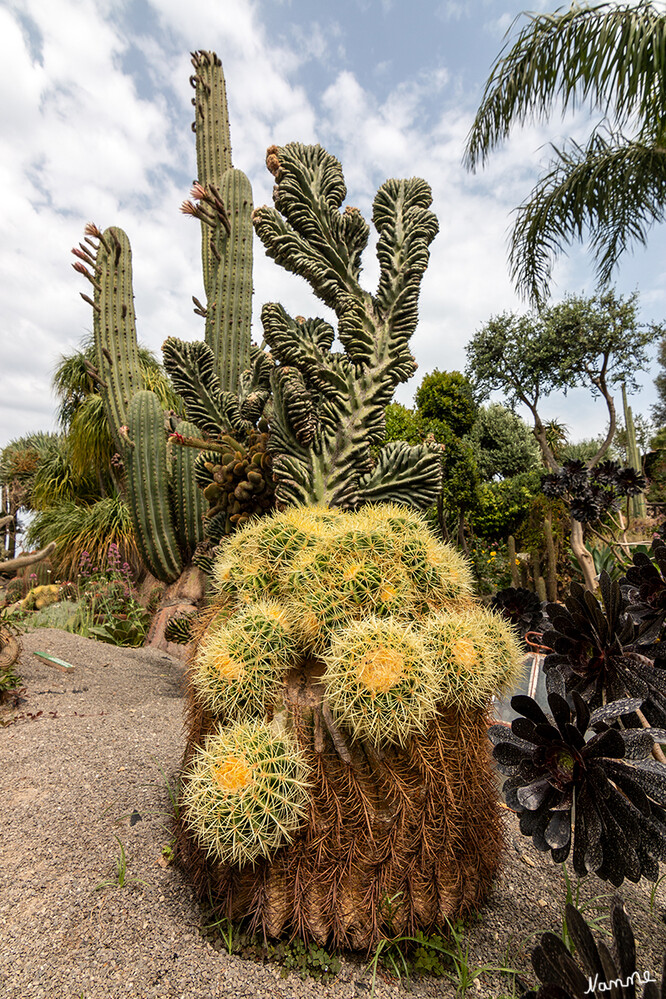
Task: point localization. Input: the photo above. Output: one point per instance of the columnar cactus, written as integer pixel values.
(337, 781)
(223, 382)
(328, 406)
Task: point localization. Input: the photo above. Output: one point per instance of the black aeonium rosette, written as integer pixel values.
(630, 482)
(602, 653)
(566, 977)
(644, 588)
(520, 607)
(592, 492)
(576, 782)
(606, 472)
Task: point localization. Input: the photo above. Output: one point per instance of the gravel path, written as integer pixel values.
(80, 764)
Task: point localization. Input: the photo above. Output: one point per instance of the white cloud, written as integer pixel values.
(80, 140)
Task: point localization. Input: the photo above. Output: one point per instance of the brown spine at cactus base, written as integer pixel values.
(397, 840)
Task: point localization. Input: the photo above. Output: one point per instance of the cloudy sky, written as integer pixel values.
(95, 126)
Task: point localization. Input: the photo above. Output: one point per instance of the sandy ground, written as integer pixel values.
(80, 761)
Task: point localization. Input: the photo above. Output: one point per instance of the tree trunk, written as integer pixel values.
(12, 564)
(585, 560)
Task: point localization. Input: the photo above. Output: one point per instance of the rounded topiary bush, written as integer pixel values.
(337, 780)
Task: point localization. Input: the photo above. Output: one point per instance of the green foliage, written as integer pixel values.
(594, 343)
(503, 444)
(611, 186)
(307, 960)
(121, 878)
(502, 506)
(77, 529)
(448, 396)
(490, 565)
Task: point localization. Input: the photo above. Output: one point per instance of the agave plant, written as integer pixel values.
(562, 977)
(602, 653)
(575, 781)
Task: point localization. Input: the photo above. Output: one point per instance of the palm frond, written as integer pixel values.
(613, 189)
(612, 57)
(91, 445)
(156, 380)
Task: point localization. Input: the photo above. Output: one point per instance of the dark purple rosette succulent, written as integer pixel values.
(630, 482)
(587, 504)
(554, 485)
(644, 588)
(602, 653)
(520, 607)
(579, 785)
(605, 473)
(576, 474)
(565, 977)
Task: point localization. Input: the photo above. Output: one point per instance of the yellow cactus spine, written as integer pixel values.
(246, 793)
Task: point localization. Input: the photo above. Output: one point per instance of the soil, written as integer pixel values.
(83, 761)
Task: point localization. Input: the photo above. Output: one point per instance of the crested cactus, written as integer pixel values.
(328, 406)
(353, 635)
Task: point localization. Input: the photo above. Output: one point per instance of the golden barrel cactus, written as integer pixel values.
(337, 780)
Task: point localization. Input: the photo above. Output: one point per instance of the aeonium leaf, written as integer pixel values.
(616, 709)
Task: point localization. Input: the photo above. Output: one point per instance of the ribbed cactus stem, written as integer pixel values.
(147, 487)
(189, 503)
(212, 117)
(114, 326)
(226, 243)
(229, 311)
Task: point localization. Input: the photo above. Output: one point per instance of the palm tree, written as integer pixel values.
(613, 188)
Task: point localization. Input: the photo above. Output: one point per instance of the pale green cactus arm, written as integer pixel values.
(109, 259)
(148, 489)
(223, 197)
(327, 419)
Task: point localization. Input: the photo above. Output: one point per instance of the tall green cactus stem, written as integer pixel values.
(224, 207)
(114, 321)
(147, 487)
(189, 504)
(329, 406)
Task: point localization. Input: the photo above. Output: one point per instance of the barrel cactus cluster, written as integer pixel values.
(337, 780)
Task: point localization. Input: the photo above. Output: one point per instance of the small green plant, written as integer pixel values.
(307, 960)
(653, 892)
(592, 904)
(122, 879)
(294, 957)
(110, 611)
(447, 957)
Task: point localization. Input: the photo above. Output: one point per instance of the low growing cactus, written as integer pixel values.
(337, 754)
